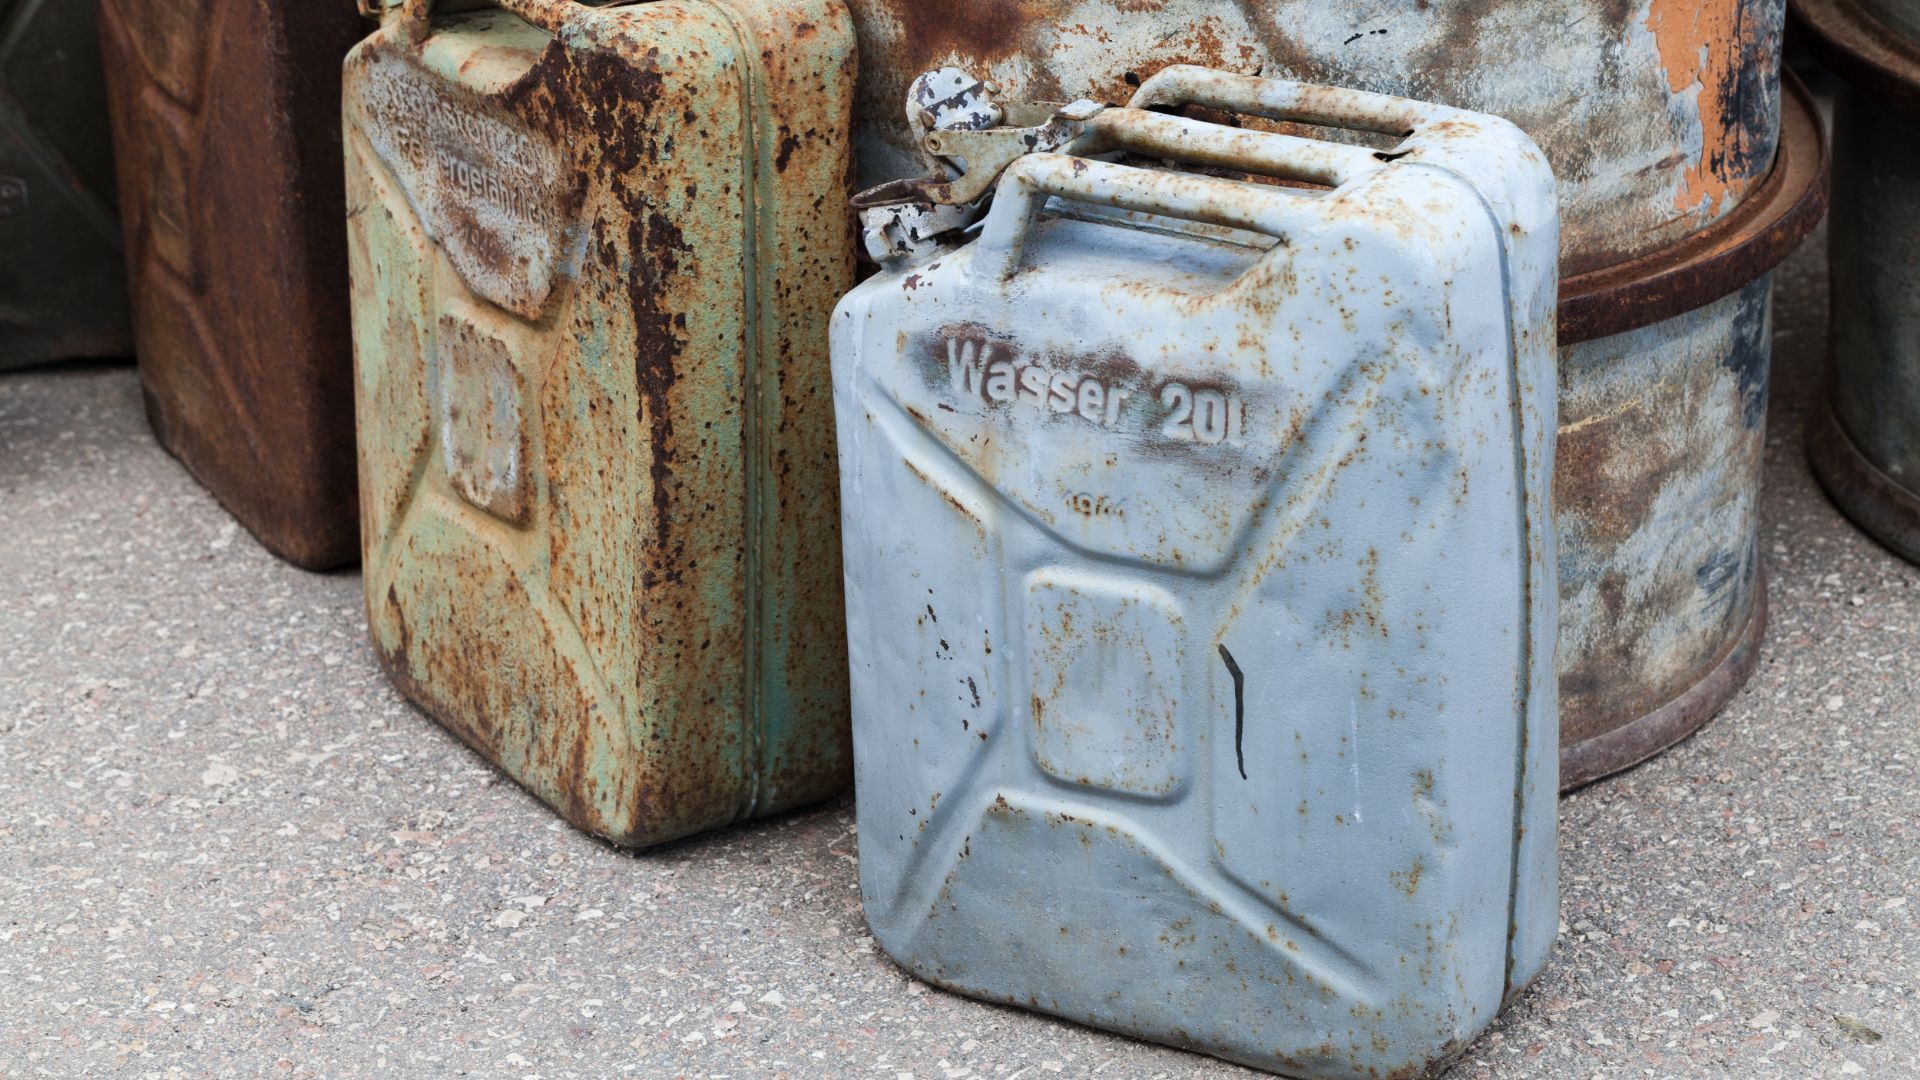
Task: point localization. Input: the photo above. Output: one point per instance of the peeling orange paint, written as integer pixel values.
(1700, 45)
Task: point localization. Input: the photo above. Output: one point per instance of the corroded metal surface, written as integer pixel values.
(62, 276)
(1201, 590)
(1658, 115)
(227, 133)
(593, 261)
(1866, 449)
(1663, 599)
(1658, 497)
(1768, 226)
(1650, 733)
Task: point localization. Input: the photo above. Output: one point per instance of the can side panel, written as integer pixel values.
(1658, 117)
(803, 258)
(244, 352)
(62, 271)
(1875, 233)
(1657, 489)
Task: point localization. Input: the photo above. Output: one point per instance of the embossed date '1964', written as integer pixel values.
(1186, 413)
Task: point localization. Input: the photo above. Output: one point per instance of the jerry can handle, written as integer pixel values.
(1279, 99)
(416, 16)
(1033, 179)
(1198, 142)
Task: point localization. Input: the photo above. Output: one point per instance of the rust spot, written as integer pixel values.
(1703, 44)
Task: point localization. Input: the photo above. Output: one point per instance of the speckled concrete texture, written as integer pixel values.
(227, 849)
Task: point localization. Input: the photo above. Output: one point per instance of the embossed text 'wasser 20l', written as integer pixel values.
(1201, 583)
(594, 251)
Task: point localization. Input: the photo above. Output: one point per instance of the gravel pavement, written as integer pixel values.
(228, 849)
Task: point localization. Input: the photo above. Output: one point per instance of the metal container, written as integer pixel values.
(63, 290)
(1865, 448)
(1656, 637)
(1200, 583)
(227, 130)
(1664, 372)
(1659, 116)
(594, 252)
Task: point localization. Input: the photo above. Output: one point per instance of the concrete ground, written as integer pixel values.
(228, 849)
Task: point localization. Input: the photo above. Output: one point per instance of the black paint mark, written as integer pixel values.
(1239, 708)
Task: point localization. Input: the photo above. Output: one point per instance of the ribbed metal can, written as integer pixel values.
(1865, 447)
(1664, 122)
(593, 255)
(226, 124)
(63, 288)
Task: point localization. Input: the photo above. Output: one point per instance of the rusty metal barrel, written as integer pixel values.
(1681, 188)
(1865, 447)
(62, 294)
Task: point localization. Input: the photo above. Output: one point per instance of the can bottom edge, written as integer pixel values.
(1872, 500)
(631, 836)
(1639, 740)
(322, 548)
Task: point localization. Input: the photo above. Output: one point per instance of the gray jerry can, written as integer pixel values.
(1200, 582)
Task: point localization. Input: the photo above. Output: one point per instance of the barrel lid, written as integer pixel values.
(1724, 257)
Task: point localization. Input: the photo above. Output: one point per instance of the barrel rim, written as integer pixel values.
(1861, 49)
(1723, 258)
(1641, 740)
(1878, 504)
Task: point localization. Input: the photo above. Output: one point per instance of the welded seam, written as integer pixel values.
(1528, 526)
(757, 469)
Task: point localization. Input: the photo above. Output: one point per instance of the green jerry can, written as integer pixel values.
(594, 252)
(63, 293)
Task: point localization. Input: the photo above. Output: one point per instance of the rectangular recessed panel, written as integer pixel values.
(483, 425)
(1105, 669)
